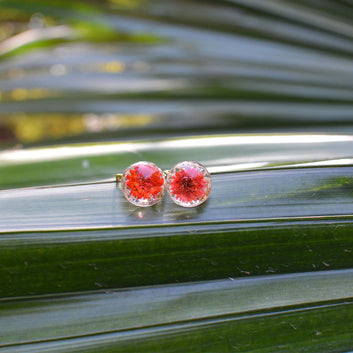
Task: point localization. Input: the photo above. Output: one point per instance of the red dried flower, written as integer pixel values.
(188, 184)
(144, 181)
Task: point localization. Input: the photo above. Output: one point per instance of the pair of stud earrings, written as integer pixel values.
(143, 183)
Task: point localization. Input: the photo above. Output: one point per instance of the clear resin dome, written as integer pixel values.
(142, 184)
(189, 184)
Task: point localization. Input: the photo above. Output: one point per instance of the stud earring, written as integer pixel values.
(142, 183)
(189, 184)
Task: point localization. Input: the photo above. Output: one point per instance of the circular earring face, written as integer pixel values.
(189, 184)
(142, 184)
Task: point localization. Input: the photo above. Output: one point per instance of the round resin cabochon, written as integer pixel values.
(189, 184)
(142, 184)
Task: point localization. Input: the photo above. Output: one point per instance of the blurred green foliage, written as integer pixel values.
(260, 92)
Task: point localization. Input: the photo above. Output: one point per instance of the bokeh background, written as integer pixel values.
(111, 70)
(259, 91)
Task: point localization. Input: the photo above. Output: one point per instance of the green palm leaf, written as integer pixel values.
(259, 92)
